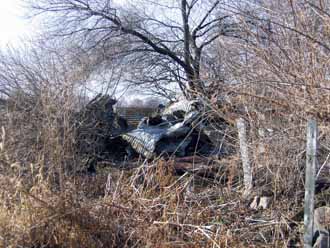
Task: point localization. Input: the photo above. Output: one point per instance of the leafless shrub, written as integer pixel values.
(275, 79)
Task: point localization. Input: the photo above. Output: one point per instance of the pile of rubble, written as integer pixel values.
(181, 129)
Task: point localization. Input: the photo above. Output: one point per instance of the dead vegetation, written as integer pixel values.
(179, 202)
(48, 199)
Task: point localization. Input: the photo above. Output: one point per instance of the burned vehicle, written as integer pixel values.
(180, 129)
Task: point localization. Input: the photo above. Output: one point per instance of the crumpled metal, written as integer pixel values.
(166, 137)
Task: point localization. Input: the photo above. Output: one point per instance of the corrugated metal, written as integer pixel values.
(134, 115)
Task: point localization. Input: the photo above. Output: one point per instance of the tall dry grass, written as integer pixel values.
(279, 85)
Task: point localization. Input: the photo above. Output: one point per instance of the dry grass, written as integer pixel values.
(44, 205)
(276, 89)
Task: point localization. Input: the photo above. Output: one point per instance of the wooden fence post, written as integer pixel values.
(311, 149)
(245, 156)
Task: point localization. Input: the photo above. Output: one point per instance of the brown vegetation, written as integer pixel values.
(281, 81)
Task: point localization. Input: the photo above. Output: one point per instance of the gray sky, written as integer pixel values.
(15, 28)
(12, 24)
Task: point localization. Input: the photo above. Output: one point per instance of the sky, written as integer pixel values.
(13, 25)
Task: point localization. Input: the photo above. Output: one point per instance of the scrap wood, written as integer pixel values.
(196, 165)
(193, 159)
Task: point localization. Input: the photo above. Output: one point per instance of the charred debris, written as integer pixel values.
(179, 130)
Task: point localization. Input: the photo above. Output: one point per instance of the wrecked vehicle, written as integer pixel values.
(167, 137)
(180, 129)
(177, 130)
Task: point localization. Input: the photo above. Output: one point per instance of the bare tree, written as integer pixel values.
(161, 41)
(34, 66)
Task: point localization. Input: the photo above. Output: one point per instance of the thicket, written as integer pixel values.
(275, 81)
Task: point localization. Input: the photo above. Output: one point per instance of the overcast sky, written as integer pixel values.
(13, 25)
(15, 28)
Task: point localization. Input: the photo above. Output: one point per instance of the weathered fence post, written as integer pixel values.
(245, 156)
(311, 149)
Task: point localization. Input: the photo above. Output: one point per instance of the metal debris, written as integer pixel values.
(153, 140)
(183, 106)
(177, 129)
